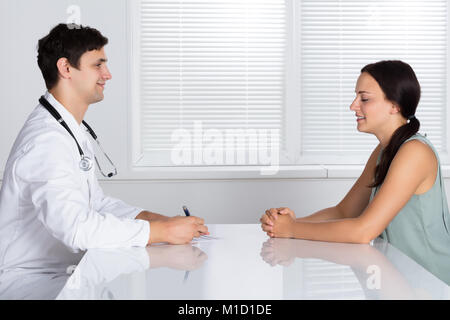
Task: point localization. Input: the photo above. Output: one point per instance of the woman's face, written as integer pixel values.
(372, 109)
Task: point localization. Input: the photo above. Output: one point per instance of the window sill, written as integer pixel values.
(229, 173)
(245, 173)
(249, 173)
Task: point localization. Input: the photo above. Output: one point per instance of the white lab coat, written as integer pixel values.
(50, 210)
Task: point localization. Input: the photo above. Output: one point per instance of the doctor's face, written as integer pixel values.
(90, 78)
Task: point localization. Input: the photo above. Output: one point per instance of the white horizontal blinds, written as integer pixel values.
(210, 68)
(338, 38)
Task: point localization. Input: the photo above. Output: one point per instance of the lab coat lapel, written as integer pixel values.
(76, 129)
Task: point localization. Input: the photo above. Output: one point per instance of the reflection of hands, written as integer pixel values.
(357, 256)
(284, 251)
(354, 255)
(181, 257)
(278, 251)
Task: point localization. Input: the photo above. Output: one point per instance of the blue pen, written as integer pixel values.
(186, 211)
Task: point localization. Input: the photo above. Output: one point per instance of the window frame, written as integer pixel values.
(301, 166)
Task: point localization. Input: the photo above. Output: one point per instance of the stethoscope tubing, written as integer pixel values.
(85, 163)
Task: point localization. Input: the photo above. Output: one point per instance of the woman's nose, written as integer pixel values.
(354, 105)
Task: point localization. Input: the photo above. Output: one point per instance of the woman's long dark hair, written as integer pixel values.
(400, 85)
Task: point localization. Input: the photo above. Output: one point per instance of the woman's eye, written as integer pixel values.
(364, 100)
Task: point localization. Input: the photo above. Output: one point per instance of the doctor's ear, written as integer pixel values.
(63, 66)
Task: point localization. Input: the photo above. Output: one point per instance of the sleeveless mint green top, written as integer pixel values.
(421, 229)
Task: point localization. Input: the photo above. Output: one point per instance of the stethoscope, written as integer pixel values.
(86, 163)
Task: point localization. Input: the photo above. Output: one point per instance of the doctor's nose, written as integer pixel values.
(107, 74)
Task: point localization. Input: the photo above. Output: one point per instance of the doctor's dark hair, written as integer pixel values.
(400, 86)
(66, 41)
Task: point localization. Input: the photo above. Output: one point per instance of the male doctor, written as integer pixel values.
(51, 205)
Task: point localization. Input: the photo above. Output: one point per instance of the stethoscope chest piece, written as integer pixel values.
(86, 164)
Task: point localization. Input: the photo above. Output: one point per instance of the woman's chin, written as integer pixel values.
(361, 129)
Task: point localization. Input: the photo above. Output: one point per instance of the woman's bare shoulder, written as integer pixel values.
(416, 148)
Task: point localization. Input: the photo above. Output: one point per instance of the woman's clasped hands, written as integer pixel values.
(278, 222)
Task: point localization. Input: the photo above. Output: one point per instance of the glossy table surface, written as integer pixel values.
(241, 262)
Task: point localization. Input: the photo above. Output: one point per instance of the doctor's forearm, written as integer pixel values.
(150, 216)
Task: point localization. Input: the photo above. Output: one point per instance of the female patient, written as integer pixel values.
(400, 194)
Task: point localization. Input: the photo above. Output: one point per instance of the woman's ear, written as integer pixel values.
(395, 108)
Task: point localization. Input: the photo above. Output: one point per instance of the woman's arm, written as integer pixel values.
(409, 168)
(331, 213)
(357, 199)
(352, 205)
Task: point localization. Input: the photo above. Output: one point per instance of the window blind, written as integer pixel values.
(209, 68)
(337, 38)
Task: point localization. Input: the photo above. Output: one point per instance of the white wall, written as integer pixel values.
(23, 22)
(235, 201)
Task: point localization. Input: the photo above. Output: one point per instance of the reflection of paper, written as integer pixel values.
(204, 238)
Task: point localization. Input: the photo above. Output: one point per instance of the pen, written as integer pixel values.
(188, 214)
(186, 211)
(186, 275)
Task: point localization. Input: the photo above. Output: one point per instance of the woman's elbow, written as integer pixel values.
(363, 234)
(363, 240)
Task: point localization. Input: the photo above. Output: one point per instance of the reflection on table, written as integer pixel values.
(350, 271)
(240, 263)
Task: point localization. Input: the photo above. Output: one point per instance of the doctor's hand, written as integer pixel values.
(177, 230)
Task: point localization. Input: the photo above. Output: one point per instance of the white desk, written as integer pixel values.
(245, 264)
